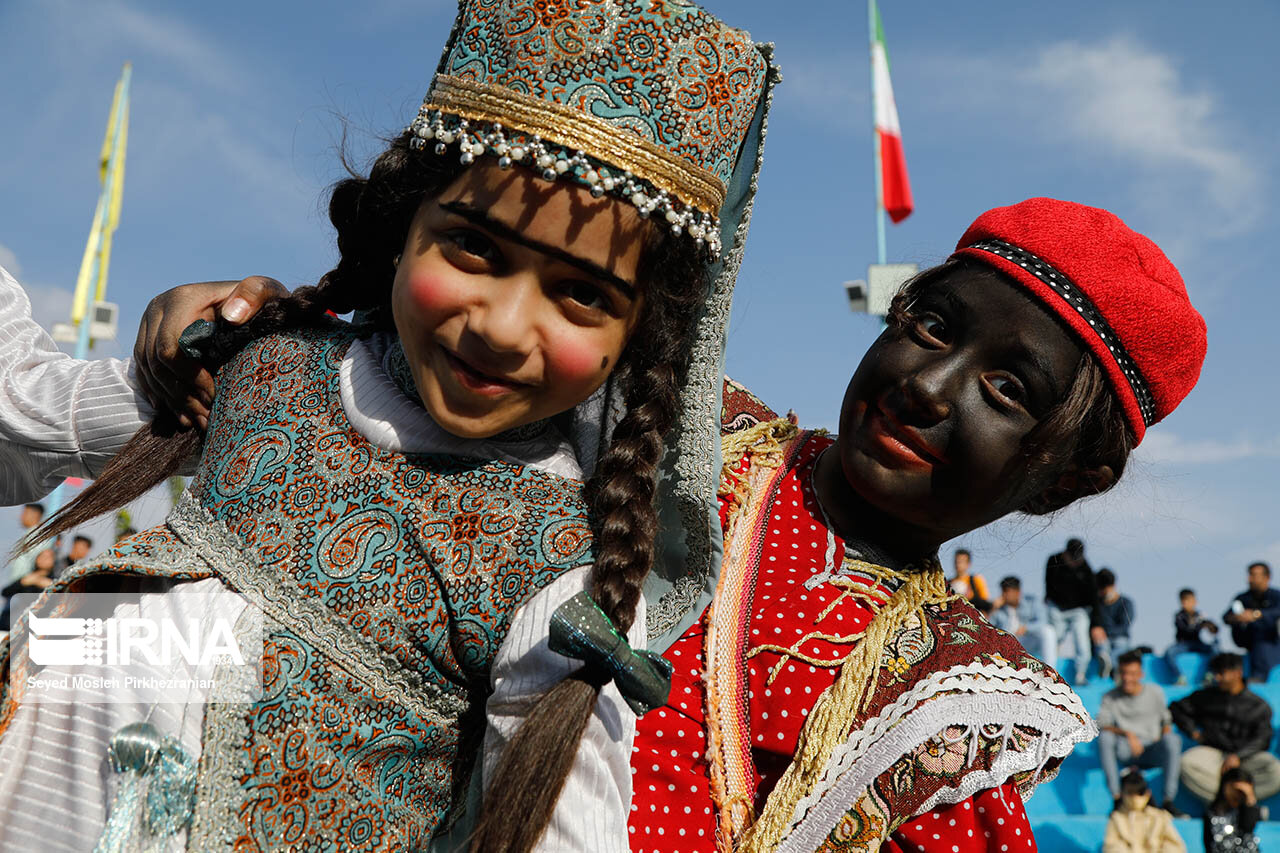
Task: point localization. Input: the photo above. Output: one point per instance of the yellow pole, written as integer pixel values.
(91, 281)
(92, 278)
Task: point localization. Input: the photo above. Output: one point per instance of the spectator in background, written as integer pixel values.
(1187, 625)
(1137, 730)
(1072, 599)
(22, 564)
(81, 545)
(1138, 827)
(34, 582)
(1253, 617)
(1022, 616)
(1115, 617)
(972, 587)
(1232, 728)
(1230, 818)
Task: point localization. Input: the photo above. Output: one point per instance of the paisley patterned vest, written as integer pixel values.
(388, 583)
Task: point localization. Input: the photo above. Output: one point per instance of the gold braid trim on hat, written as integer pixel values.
(572, 128)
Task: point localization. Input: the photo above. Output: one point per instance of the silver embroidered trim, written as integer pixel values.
(989, 695)
(224, 761)
(697, 443)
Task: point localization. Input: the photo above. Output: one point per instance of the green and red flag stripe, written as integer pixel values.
(895, 187)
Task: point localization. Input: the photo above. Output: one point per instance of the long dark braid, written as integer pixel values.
(372, 216)
(532, 770)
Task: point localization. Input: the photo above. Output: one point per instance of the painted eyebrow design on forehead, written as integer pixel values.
(484, 220)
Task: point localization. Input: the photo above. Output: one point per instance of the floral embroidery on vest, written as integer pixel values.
(388, 582)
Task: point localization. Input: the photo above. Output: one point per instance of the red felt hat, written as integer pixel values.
(1111, 285)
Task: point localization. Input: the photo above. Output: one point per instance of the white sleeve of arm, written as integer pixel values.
(59, 416)
(595, 803)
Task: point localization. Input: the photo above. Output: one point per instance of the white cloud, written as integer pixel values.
(1167, 448)
(261, 172)
(201, 119)
(1271, 554)
(1116, 107)
(1158, 532)
(1128, 108)
(1149, 511)
(821, 86)
(119, 29)
(9, 261)
(49, 304)
(1127, 98)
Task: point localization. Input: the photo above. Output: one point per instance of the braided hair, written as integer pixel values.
(532, 769)
(372, 216)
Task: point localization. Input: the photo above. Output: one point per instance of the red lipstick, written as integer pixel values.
(900, 444)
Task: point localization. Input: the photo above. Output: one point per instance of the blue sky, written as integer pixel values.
(1155, 110)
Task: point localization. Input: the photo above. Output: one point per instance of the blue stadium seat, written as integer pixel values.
(1273, 677)
(1084, 834)
(1157, 669)
(1070, 813)
(1193, 666)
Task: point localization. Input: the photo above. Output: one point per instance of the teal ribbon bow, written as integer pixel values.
(581, 630)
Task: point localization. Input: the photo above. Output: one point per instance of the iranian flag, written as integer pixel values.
(895, 187)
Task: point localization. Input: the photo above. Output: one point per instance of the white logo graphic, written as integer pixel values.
(121, 642)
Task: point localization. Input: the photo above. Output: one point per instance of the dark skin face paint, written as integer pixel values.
(934, 419)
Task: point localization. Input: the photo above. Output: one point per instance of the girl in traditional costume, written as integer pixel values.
(541, 267)
(834, 696)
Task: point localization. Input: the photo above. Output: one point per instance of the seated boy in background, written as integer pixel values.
(1187, 625)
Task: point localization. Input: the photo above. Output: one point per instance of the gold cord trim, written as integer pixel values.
(790, 653)
(852, 589)
(855, 591)
(575, 129)
(829, 723)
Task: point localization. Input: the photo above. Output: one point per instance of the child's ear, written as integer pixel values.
(1073, 484)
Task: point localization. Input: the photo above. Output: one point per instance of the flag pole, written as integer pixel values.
(872, 14)
(91, 282)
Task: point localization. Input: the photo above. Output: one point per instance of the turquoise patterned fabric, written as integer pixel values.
(664, 70)
(388, 582)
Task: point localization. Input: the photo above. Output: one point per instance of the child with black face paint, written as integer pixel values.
(835, 696)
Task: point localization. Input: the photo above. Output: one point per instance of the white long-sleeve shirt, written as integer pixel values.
(59, 416)
(63, 417)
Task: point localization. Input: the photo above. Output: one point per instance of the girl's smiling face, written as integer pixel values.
(934, 420)
(514, 298)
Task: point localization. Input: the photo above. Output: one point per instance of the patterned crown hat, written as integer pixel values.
(649, 101)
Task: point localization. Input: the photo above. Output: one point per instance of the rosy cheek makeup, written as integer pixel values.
(432, 294)
(575, 360)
